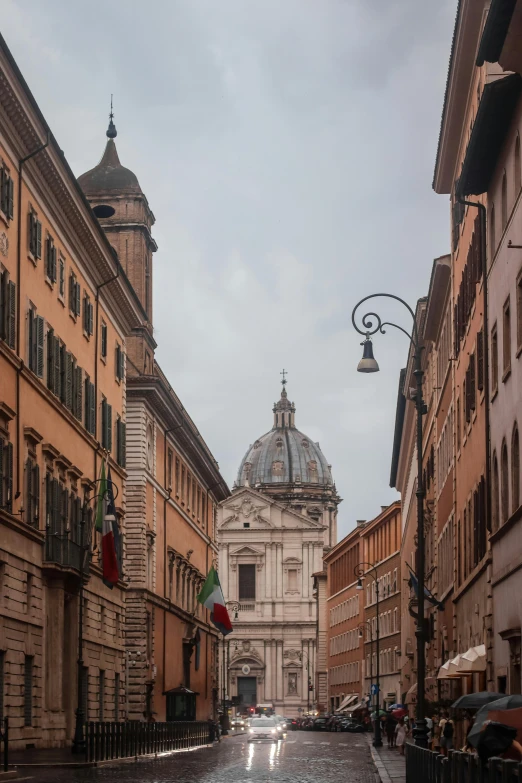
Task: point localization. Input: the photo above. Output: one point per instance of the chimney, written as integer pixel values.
(383, 508)
(361, 522)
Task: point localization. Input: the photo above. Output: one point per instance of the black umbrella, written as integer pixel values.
(505, 703)
(474, 701)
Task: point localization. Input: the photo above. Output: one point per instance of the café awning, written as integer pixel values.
(350, 699)
(473, 660)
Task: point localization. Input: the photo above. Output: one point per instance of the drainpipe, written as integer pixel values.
(97, 297)
(19, 304)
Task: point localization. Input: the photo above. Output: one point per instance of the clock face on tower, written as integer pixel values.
(150, 448)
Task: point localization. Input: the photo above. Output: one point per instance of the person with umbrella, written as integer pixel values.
(447, 730)
(401, 732)
(390, 725)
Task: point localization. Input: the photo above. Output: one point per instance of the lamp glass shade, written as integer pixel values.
(359, 585)
(367, 363)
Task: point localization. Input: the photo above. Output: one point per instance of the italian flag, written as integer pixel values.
(211, 596)
(106, 524)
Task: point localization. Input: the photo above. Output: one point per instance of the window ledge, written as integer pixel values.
(507, 373)
(494, 393)
(103, 359)
(49, 282)
(4, 219)
(72, 316)
(519, 351)
(32, 259)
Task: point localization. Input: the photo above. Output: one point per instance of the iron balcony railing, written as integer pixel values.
(59, 549)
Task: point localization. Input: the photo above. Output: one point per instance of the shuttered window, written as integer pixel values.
(6, 475)
(50, 259)
(480, 360)
(35, 235)
(90, 407)
(36, 343)
(74, 295)
(6, 193)
(104, 341)
(106, 439)
(28, 690)
(120, 363)
(32, 493)
(87, 315)
(7, 309)
(247, 582)
(120, 442)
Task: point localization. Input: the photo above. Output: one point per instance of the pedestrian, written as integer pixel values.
(401, 732)
(447, 730)
(390, 726)
(436, 734)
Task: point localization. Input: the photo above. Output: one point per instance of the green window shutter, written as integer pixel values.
(90, 329)
(10, 198)
(92, 409)
(104, 340)
(32, 349)
(72, 291)
(31, 232)
(11, 314)
(68, 380)
(39, 346)
(2, 472)
(78, 299)
(38, 243)
(104, 423)
(8, 456)
(53, 264)
(78, 397)
(57, 366)
(109, 427)
(118, 361)
(3, 306)
(50, 360)
(35, 484)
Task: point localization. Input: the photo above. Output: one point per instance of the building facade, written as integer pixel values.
(62, 406)
(380, 541)
(172, 489)
(345, 625)
(272, 534)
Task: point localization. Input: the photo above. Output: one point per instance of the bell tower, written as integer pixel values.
(124, 213)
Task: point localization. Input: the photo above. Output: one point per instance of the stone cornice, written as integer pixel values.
(26, 129)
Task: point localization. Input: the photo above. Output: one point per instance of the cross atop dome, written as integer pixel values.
(284, 373)
(111, 130)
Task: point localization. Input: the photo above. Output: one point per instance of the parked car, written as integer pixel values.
(351, 725)
(263, 729)
(320, 724)
(238, 723)
(280, 726)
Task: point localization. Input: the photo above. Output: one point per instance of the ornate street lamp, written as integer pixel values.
(372, 323)
(78, 745)
(360, 572)
(234, 607)
(366, 625)
(308, 680)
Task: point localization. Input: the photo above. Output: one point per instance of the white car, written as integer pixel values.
(281, 726)
(263, 729)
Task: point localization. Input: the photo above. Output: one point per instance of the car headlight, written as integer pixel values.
(251, 731)
(284, 725)
(273, 731)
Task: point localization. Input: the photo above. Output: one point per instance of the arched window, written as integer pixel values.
(504, 202)
(517, 172)
(494, 496)
(515, 471)
(492, 243)
(504, 476)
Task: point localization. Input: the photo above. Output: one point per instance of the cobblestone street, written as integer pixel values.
(304, 756)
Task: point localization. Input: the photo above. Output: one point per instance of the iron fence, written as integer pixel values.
(426, 766)
(106, 741)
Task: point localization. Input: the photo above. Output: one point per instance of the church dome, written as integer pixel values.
(109, 175)
(284, 455)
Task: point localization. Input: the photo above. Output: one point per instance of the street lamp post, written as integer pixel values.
(366, 624)
(360, 571)
(307, 678)
(234, 607)
(372, 323)
(78, 744)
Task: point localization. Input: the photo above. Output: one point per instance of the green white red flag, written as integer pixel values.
(106, 524)
(212, 598)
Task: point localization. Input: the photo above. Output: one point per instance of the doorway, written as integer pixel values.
(247, 692)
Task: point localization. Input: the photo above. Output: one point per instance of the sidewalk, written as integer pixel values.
(391, 766)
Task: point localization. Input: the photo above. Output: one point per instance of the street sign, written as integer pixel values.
(299, 709)
(374, 690)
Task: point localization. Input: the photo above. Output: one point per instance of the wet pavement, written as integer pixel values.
(304, 757)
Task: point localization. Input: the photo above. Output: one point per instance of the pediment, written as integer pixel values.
(246, 551)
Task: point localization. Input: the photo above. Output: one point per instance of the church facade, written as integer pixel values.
(272, 534)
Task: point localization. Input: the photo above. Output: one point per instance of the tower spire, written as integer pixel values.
(111, 130)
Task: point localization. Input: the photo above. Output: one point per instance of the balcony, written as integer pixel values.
(247, 606)
(61, 551)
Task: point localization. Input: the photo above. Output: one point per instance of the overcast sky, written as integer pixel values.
(286, 148)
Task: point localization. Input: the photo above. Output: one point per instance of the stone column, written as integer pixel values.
(306, 576)
(279, 566)
(266, 658)
(268, 570)
(273, 681)
(224, 575)
(304, 682)
(279, 659)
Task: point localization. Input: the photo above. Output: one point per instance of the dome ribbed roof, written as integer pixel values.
(284, 455)
(109, 175)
